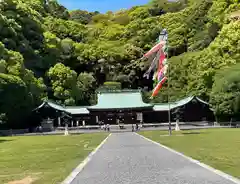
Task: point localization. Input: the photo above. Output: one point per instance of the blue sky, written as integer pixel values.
(101, 5)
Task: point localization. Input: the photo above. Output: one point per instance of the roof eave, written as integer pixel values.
(119, 108)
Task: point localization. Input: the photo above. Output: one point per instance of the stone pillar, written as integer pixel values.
(59, 121)
(83, 123)
(77, 123)
(66, 130)
(72, 123)
(177, 128)
(140, 118)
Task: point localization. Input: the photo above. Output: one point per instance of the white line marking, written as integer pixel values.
(220, 173)
(80, 167)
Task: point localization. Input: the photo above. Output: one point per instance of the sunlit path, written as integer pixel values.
(127, 158)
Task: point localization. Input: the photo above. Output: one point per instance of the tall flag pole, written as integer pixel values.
(160, 65)
(169, 106)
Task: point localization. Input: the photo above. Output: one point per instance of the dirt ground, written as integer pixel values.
(26, 180)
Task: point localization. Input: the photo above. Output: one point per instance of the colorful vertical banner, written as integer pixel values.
(159, 62)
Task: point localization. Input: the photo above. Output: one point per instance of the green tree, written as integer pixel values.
(68, 87)
(16, 102)
(65, 29)
(86, 85)
(164, 6)
(57, 10)
(110, 85)
(63, 81)
(83, 17)
(225, 95)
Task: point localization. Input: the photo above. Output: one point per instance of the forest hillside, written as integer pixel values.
(49, 52)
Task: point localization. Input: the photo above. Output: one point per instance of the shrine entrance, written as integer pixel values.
(120, 107)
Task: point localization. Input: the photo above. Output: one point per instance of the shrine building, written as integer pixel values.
(123, 106)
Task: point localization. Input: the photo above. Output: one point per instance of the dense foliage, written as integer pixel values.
(48, 52)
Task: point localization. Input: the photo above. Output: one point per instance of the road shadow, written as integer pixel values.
(5, 140)
(193, 133)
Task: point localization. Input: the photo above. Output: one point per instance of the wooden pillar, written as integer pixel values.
(83, 123)
(72, 123)
(77, 123)
(97, 119)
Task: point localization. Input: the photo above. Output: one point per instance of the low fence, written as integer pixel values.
(231, 124)
(59, 130)
(180, 123)
(13, 132)
(90, 127)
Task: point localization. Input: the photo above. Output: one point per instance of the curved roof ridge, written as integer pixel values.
(76, 107)
(51, 104)
(179, 103)
(120, 91)
(202, 100)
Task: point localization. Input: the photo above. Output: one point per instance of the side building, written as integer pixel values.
(191, 109)
(74, 116)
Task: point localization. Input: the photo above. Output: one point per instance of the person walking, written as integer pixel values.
(136, 126)
(108, 127)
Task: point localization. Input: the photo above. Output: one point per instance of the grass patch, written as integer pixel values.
(219, 148)
(50, 159)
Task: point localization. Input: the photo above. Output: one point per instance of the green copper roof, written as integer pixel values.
(77, 110)
(120, 100)
(165, 107)
(69, 109)
(162, 107)
(50, 104)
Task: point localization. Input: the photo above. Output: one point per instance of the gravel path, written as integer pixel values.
(127, 158)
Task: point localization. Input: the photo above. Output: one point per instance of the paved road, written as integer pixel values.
(127, 158)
